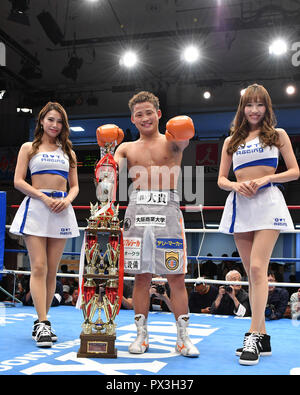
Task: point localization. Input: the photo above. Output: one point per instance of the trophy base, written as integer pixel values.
(97, 345)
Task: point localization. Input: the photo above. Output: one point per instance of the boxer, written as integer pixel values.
(154, 237)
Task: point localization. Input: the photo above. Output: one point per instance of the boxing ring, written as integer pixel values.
(216, 336)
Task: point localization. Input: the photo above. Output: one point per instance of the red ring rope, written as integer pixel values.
(181, 207)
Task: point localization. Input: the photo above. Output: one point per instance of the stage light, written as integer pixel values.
(290, 89)
(278, 47)
(242, 91)
(2, 94)
(17, 12)
(74, 64)
(129, 59)
(191, 54)
(207, 95)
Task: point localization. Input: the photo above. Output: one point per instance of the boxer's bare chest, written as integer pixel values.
(156, 153)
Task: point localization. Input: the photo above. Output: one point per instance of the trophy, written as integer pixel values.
(102, 273)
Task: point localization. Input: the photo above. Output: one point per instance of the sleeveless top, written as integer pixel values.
(253, 154)
(52, 162)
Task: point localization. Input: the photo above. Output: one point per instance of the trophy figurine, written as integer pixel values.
(97, 339)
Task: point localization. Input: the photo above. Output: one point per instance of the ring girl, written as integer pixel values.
(255, 211)
(45, 217)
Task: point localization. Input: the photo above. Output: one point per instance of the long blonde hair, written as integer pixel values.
(240, 127)
(63, 137)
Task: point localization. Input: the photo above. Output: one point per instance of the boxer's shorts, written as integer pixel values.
(154, 236)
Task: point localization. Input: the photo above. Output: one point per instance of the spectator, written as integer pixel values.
(22, 285)
(277, 269)
(291, 290)
(295, 305)
(228, 265)
(160, 296)
(202, 297)
(57, 298)
(277, 300)
(74, 298)
(67, 298)
(232, 300)
(209, 269)
(127, 302)
(222, 266)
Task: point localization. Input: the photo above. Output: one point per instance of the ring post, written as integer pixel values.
(2, 228)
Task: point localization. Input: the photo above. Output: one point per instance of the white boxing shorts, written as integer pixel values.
(265, 210)
(34, 218)
(154, 236)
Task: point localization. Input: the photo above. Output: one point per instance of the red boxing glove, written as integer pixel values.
(108, 134)
(180, 128)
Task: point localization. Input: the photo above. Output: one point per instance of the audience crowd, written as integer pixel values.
(204, 297)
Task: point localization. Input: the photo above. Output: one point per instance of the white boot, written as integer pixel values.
(184, 345)
(141, 343)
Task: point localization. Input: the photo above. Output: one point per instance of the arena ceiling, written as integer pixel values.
(65, 46)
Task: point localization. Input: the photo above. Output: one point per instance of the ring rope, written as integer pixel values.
(202, 240)
(185, 208)
(187, 280)
(197, 257)
(192, 230)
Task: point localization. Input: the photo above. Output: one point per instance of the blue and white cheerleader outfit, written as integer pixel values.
(33, 216)
(267, 209)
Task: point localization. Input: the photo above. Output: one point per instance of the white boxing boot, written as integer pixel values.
(184, 345)
(141, 343)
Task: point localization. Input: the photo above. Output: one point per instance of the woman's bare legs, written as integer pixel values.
(255, 249)
(36, 247)
(44, 255)
(263, 245)
(55, 248)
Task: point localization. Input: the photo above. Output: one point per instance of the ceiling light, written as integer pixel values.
(129, 59)
(191, 54)
(2, 93)
(207, 95)
(290, 89)
(278, 47)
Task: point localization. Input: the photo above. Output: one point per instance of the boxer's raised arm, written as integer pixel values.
(180, 130)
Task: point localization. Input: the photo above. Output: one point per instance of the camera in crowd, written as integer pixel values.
(160, 289)
(270, 312)
(228, 288)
